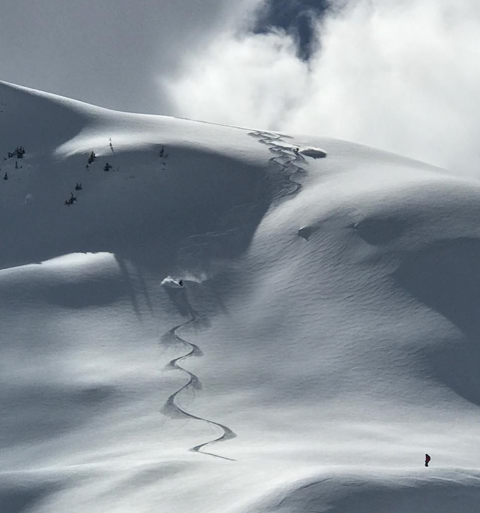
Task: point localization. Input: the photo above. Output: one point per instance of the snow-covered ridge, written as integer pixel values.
(323, 339)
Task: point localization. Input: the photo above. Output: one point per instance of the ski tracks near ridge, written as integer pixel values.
(174, 410)
(285, 164)
(200, 253)
(201, 248)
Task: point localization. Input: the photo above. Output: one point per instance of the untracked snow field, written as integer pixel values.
(208, 319)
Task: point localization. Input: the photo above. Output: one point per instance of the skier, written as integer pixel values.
(427, 460)
(6, 176)
(78, 187)
(71, 200)
(172, 283)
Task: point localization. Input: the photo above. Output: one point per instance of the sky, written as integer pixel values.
(400, 75)
(106, 52)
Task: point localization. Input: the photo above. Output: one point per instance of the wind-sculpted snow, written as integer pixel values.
(445, 276)
(395, 492)
(331, 290)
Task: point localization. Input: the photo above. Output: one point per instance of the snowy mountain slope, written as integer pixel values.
(166, 192)
(325, 336)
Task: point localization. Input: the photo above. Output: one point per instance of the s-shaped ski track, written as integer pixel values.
(173, 409)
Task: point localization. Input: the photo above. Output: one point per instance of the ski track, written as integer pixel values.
(284, 161)
(173, 409)
(198, 251)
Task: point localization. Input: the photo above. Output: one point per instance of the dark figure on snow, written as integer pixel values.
(427, 460)
(71, 200)
(78, 187)
(180, 282)
(6, 176)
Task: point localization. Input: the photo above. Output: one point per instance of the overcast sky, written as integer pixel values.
(107, 52)
(403, 75)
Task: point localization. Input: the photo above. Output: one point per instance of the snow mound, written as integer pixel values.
(442, 492)
(315, 153)
(306, 232)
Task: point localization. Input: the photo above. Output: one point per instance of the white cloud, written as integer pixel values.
(248, 80)
(399, 75)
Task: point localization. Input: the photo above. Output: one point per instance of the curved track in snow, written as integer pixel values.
(284, 161)
(285, 170)
(173, 409)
